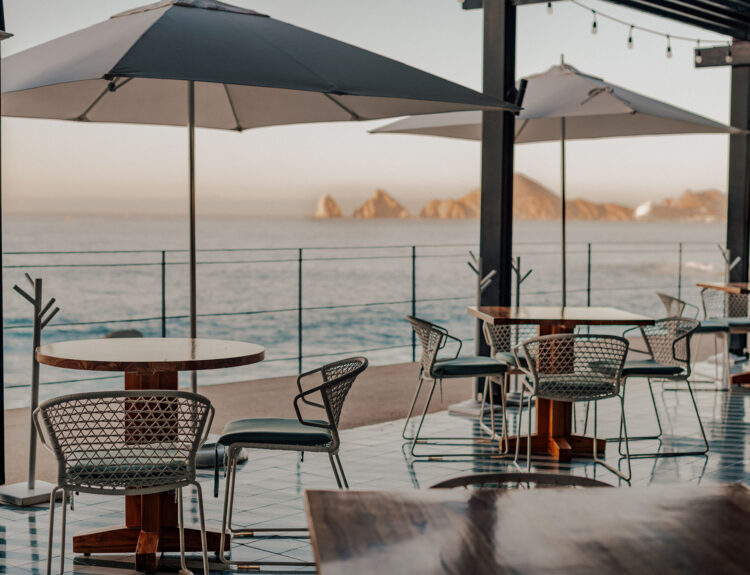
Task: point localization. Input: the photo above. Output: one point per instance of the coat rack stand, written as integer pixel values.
(32, 491)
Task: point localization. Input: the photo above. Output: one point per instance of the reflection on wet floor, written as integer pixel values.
(270, 484)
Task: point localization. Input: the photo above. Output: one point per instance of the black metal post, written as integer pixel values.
(163, 293)
(496, 222)
(3, 36)
(588, 277)
(679, 273)
(299, 310)
(413, 300)
(738, 212)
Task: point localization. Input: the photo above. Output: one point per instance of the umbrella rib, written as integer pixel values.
(353, 114)
(234, 110)
(111, 87)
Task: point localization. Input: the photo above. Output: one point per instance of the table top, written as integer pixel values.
(571, 316)
(150, 355)
(733, 287)
(654, 530)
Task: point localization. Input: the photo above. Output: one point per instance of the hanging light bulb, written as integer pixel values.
(728, 59)
(594, 28)
(630, 37)
(549, 7)
(698, 53)
(669, 47)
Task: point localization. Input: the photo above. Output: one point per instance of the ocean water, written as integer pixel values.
(356, 277)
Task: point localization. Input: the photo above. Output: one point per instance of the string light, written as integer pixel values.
(667, 37)
(549, 8)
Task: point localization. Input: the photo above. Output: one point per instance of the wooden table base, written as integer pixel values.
(151, 522)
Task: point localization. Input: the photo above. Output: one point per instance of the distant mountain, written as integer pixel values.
(327, 208)
(703, 206)
(531, 201)
(381, 205)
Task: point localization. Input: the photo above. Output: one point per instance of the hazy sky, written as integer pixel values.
(70, 167)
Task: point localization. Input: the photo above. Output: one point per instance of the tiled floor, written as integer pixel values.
(270, 484)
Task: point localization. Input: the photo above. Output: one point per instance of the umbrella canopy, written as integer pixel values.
(592, 109)
(249, 71)
(565, 104)
(209, 64)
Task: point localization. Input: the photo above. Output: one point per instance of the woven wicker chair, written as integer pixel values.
(125, 443)
(301, 435)
(668, 347)
(573, 368)
(435, 369)
(730, 308)
(518, 480)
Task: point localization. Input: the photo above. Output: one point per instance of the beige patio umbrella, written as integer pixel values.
(566, 104)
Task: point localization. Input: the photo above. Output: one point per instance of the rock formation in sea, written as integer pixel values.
(703, 206)
(531, 201)
(381, 205)
(327, 208)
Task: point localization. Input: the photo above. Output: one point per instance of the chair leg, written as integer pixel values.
(181, 525)
(335, 471)
(52, 500)
(411, 409)
(421, 421)
(528, 438)
(623, 431)
(62, 535)
(226, 520)
(202, 520)
(656, 414)
(519, 426)
(341, 470)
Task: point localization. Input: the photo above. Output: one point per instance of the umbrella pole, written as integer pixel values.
(564, 223)
(191, 145)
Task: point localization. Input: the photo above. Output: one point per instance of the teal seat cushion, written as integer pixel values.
(738, 322)
(273, 430)
(507, 358)
(649, 368)
(712, 326)
(468, 367)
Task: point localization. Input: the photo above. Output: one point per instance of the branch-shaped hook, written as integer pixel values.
(31, 300)
(49, 318)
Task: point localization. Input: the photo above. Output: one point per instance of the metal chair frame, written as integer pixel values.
(676, 353)
(675, 307)
(332, 392)
(484, 480)
(160, 432)
(718, 304)
(592, 365)
(434, 338)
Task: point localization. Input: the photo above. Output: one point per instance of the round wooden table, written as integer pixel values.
(150, 526)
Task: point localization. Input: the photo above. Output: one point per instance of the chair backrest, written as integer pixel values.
(718, 304)
(668, 340)
(674, 307)
(575, 367)
(504, 337)
(518, 480)
(432, 338)
(338, 378)
(125, 442)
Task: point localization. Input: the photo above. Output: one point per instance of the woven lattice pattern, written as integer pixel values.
(125, 441)
(718, 304)
(668, 340)
(576, 367)
(432, 339)
(339, 377)
(506, 337)
(673, 306)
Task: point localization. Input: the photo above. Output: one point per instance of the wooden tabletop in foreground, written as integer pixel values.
(654, 530)
(733, 287)
(558, 315)
(149, 355)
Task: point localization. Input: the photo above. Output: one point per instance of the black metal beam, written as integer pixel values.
(3, 35)
(496, 231)
(738, 201)
(717, 55)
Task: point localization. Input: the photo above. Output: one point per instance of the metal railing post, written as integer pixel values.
(588, 277)
(413, 300)
(679, 274)
(299, 310)
(163, 293)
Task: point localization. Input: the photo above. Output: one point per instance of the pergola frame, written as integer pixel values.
(727, 17)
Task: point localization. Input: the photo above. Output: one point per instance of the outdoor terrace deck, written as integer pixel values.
(270, 485)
